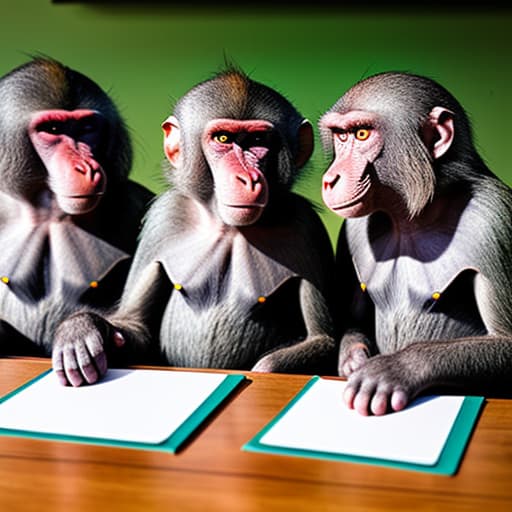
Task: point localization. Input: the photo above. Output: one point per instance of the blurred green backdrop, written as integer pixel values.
(147, 55)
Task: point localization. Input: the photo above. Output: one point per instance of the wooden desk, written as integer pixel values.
(212, 474)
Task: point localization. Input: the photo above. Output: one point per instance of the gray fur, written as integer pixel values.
(454, 239)
(50, 257)
(44, 84)
(223, 273)
(215, 318)
(232, 95)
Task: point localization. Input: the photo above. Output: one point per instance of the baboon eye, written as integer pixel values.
(362, 133)
(258, 139)
(223, 137)
(342, 136)
(55, 127)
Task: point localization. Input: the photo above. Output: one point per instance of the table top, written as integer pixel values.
(212, 473)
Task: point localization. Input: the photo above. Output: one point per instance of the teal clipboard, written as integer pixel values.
(447, 463)
(171, 445)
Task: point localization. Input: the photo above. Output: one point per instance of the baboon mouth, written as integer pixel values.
(85, 196)
(363, 186)
(253, 206)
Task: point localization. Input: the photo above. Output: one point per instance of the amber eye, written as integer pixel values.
(223, 137)
(342, 136)
(362, 133)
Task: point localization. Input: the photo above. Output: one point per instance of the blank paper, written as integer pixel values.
(319, 421)
(141, 406)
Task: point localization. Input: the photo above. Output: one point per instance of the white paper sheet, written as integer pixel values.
(144, 406)
(320, 421)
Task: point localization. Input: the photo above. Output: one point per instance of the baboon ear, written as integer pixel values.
(172, 137)
(306, 144)
(439, 131)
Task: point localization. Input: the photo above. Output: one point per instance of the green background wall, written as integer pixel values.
(148, 55)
